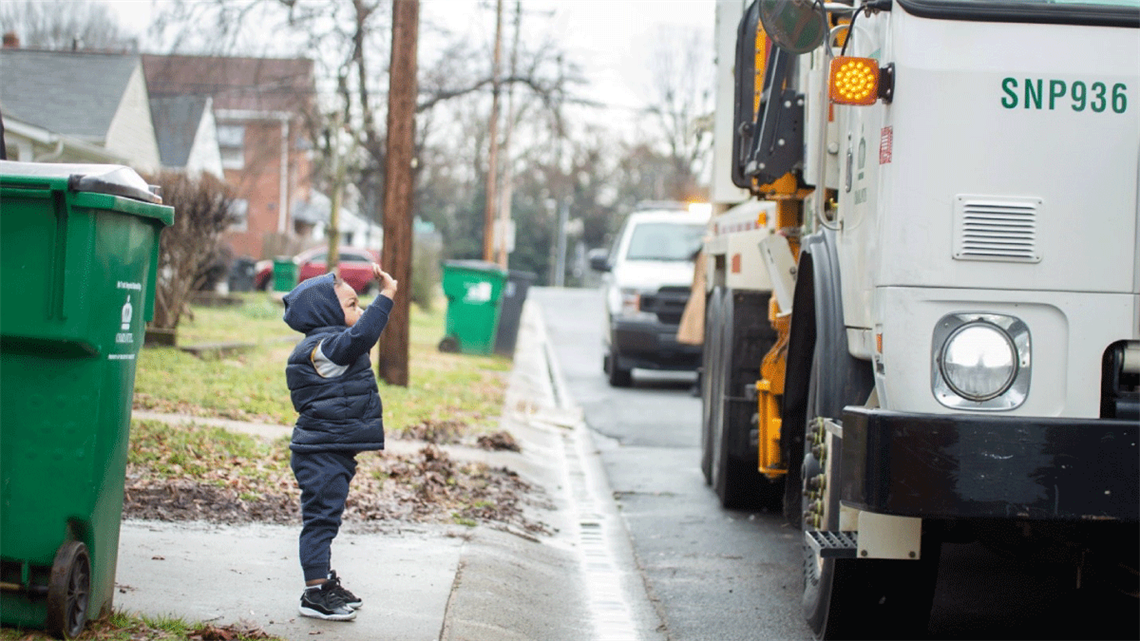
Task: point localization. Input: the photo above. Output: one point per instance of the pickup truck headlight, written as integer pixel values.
(625, 302)
(630, 302)
(981, 361)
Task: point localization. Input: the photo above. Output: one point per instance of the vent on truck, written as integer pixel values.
(996, 228)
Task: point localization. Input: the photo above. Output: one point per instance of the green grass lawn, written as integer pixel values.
(250, 385)
(126, 627)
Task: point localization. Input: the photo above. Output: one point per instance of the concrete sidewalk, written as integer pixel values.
(423, 582)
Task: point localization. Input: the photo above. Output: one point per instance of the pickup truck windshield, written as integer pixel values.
(664, 241)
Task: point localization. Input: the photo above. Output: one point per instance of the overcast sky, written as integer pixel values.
(613, 40)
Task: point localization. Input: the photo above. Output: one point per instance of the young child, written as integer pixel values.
(334, 390)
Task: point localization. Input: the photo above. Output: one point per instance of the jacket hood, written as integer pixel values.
(313, 304)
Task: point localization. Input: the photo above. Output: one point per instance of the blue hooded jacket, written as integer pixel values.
(329, 374)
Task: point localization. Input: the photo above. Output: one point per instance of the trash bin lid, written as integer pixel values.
(475, 265)
(116, 180)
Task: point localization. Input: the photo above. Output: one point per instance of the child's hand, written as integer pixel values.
(388, 285)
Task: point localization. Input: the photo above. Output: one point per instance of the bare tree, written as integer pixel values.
(60, 25)
(349, 43)
(684, 90)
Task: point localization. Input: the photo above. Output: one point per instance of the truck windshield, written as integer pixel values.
(1117, 13)
(664, 241)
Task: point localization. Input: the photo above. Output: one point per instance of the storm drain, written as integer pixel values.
(606, 597)
(598, 532)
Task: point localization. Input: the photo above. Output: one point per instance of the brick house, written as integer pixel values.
(263, 109)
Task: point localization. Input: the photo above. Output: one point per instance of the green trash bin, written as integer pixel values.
(78, 259)
(474, 290)
(284, 274)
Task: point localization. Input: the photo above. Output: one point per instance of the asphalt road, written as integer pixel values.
(712, 573)
(721, 574)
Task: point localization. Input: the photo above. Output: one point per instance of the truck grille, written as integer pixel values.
(996, 228)
(668, 303)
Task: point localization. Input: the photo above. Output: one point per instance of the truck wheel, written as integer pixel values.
(69, 591)
(743, 339)
(618, 376)
(853, 598)
(710, 380)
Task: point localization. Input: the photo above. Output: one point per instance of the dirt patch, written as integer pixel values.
(452, 432)
(211, 632)
(426, 487)
(446, 432)
(499, 441)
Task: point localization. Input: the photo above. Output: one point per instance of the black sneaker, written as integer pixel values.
(324, 602)
(350, 599)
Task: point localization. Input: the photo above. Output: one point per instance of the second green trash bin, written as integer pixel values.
(78, 263)
(284, 274)
(473, 289)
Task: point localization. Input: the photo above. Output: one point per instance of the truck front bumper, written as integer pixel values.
(955, 466)
(652, 345)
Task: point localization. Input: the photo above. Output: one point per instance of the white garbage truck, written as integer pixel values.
(922, 320)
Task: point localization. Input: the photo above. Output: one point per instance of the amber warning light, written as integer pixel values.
(859, 81)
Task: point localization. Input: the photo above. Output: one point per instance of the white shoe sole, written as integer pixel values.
(309, 612)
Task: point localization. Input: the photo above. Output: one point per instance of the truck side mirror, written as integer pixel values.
(796, 26)
(599, 260)
(750, 46)
(767, 140)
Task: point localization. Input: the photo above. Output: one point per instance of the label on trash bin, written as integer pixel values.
(478, 292)
(125, 336)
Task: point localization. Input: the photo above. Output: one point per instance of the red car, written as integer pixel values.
(355, 268)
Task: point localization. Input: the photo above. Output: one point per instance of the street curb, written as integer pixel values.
(598, 587)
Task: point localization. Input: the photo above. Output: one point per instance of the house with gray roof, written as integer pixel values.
(187, 134)
(76, 106)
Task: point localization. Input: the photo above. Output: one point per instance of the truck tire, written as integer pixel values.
(855, 598)
(710, 379)
(618, 376)
(745, 337)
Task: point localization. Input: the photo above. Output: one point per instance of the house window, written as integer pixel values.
(231, 143)
(239, 211)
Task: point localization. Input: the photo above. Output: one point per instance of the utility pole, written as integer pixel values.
(340, 158)
(560, 264)
(493, 156)
(508, 170)
(392, 364)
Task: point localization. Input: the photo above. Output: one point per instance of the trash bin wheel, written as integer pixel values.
(449, 344)
(69, 591)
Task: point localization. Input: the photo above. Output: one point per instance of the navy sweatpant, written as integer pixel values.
(323, 478)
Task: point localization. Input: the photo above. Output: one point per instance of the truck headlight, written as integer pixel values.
(980, 361)
(627, 304)
(630, 302)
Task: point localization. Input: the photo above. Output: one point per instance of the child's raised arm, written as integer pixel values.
(388, 285)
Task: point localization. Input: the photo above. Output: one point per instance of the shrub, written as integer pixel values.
(190, 248)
